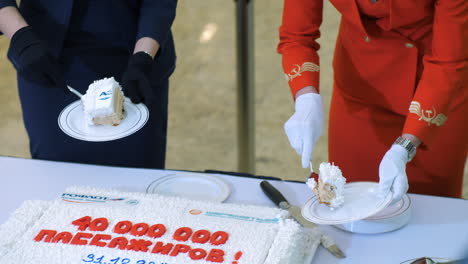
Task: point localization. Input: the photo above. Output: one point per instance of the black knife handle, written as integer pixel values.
(272, 193)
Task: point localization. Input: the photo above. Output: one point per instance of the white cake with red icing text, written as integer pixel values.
(87, 225)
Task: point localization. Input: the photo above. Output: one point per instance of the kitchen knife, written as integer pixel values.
(278, 198)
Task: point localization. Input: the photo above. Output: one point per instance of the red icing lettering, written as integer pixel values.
(219, 238)
(156, 231)
(183, 234)
(45, 234)
(82, 223)
(139, 245)
(119, 242)
(237, 256)
(197, 254)
(160, 248)
(97, 240)
(80, 238)
(123, 227)
(139, 229)
(216, 255)
(201, 236)
(99, 224)
(179, 248)
(63, 237)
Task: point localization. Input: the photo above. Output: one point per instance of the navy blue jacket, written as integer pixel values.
(122, 23)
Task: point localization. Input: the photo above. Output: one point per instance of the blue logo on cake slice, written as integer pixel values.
(105, 95)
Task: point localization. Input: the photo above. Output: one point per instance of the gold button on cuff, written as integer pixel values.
(409, 45)
(366, 38)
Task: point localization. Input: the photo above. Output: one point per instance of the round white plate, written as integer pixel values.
(393, 217)
(71, 122)
(191, 185)
(361, 201)
(437, 260)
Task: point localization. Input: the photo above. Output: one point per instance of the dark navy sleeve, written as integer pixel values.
(156, 17)
(5, 3)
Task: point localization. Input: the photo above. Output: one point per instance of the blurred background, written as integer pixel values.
(202, 105)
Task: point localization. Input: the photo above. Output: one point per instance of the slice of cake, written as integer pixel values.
(103, 103)
(329, 188)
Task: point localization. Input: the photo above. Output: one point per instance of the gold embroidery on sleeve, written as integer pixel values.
(297, 70)
(430, 116)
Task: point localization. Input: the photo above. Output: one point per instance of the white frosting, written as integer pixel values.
(331, 174)
(23, 218)
(264, 235)
(312, 183)
(102, 99)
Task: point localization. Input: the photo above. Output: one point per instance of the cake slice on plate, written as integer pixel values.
(330, 185)
(103, 103)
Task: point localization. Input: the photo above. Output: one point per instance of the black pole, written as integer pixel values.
(245, 86)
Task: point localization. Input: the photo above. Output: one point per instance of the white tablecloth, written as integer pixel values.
(438, 228)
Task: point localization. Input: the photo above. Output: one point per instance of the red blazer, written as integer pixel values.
(413, 62)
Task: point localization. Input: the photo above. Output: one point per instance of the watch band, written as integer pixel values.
(408, 145)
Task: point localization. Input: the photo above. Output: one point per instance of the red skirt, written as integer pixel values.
(360, 134)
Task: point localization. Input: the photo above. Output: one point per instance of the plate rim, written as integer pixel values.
(405, 207)
(63, 121)
(433, 258)
(225, 188)
(309, 203)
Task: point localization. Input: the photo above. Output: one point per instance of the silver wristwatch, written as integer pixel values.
(408, 145)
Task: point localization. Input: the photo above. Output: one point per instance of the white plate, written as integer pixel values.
(191, 185)
(361, 201)
(392, 217)
(437, 260)
(71, 122)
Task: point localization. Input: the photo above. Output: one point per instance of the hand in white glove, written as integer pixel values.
(305, 125)
(392, 173)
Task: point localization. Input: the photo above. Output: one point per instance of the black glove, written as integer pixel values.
(33, 60)
(135, 80)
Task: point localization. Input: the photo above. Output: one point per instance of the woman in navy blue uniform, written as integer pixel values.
(74, 42)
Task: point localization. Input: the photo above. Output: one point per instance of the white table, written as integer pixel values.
(438, 228)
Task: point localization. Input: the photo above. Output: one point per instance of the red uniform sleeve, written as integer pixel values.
(445, 74)
(298, 45)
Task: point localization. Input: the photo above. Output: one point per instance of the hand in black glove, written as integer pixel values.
(135, 80)
(32, 59)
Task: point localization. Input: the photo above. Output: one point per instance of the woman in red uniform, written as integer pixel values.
(400, 84)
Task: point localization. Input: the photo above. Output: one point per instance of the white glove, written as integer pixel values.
(305, 125)
(392, 173)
